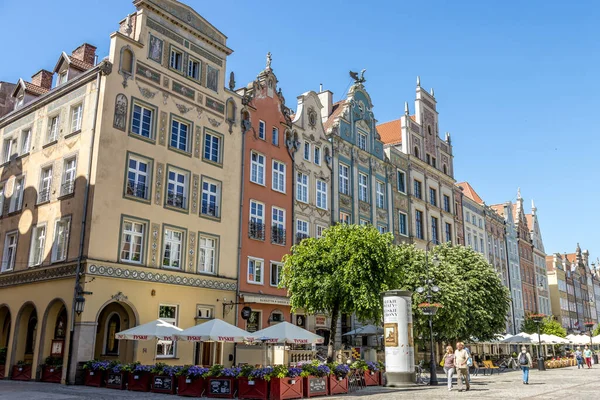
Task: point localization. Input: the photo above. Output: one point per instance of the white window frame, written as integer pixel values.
(45, 187)
(204, 265)
(132, 184)
(178, 132)
(302, 182)
(319, 230)
(25, 145)
(278, 173)
(172, 321)
(191, 62)
(321, 187)
(133, 235)
(344, 218)
(176, 186)
(176, 247)
(176, 57)
(62, 77)
(361, 141)
(257, 168)
(38, 245)
(306, 151)
(363, 222)
(262, 130)
(2, 185)
(278, 270)
(8, 149)
(380, 188)
(209, 141)
(140, 128)
(69, 176)
(400, 215)
(302, 227)
(53, 128)
(76, 117)
(275, 136)
(9, 264)
(398, 173)
(61, 237)
(363, 187)
(214, 198)
(344, 175)
(317, 155)
(278, 222)
(16, 201)
(257, 263)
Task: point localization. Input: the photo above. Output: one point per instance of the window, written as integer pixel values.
(482, 248)
(257, 220)
(111, 346)
(344, 218)
(448, 233)
(194, 69)
(261, 130)
(138, 177)
(419, 224)
(255, 270)
(344, 180)
(401, 181)
(474, 219)
(317, 155)
(179, 135)
(212, 78)
(25, 141)
(278, 226)
(212, 147)
(38, 242)
(382, 229)
(45, 185)
(204, 312)
(53, 129)
(301, 230)
(447, 203)
(402, 224)
(177, 189)
(20, 101)
(257, 168)
(302, 187)
(320, 230)
(211, 198)
(70, 169)
(428, 158)
(380, 194)
(276, 270)
(62, 78)
(172, 248)
(417, 189)
(1, 199)
(132, 241)
(307, 151)
(321, 194)
(166, 348)
(363, 222)
(76, 116)
(278, 183)
(176, 61)
(16, 201)
(475, 242)
(207, 255)
(361, 141)
(480, 223)
(275, 136)
(433, 197)
(10, 251)
(61, 239)
(10, 146)
(434, 162)
(363, 187)
(142, 121)
(434, 230)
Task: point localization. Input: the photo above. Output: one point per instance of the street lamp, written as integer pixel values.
(430, 309)
(590, 326)
(538, 318)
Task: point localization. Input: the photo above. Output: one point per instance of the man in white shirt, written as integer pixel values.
(460, 361)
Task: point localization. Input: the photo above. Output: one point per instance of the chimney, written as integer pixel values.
(42, 79)
(326, 99)
(86, 53)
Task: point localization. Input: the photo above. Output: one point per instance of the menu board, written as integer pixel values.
(114, 379)
(220, 386)
(317, 385)
(163, 382)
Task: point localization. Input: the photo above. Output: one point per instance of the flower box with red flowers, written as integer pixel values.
(429, 308)
(190, 381)
(537, 317)
(589, 324)
(21, 372)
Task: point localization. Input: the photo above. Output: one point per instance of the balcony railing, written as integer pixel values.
(300, 237)
(43, 196)
(137, 189)
(67, 188)
(256, 230)
(176, 200)
(277, 235)
(211, 210)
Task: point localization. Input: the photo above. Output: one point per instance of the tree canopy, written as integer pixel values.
(549, 326)
(474, 301)
(344, 271)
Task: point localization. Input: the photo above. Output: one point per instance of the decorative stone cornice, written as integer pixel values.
(36, 275)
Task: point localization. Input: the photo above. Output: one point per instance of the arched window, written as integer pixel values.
(31, 333)
(60, 328)
(113, 325)
(127, 61)
(416, 151)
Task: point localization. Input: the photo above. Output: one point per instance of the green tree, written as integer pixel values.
(549, 326)
(596, 331)
(474, 301)
(344, 271)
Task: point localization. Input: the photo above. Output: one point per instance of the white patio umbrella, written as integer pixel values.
(157, 329)
(518, 338)
(284, 332)
(215, 330)
(367, 330)
(596, 339)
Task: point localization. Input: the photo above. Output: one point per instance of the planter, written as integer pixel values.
(221, 387)
(163, 384)
(2, 371)
(253, 389)
(192, 387)
(51, 374)
(139, 381)
(286, 388)
(94, 378)
(315, 386)
(372, 378)
(337, 385)
(116, 380)
(21, 373)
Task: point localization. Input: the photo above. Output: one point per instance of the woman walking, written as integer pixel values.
(587, 354)
(449, 365)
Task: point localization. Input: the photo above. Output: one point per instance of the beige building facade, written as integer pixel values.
(125, 194)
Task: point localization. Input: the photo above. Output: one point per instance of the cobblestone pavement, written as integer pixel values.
(551, 384)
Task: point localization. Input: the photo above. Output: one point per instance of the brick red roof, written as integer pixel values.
(335, 112)
(34, 89)
(78, 64)
(499, 208)
(390, 132)
(529, 219)
(470, 192)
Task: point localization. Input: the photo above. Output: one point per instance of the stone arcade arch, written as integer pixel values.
(5, 325)
(54, 330)
(113, 317)
(24, 345)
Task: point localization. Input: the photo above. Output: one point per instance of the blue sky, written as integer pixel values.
(516, 81)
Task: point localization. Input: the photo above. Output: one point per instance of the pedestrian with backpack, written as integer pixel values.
(525, 363)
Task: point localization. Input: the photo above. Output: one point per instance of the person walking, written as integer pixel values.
(587, 354)
(449, 365)
(579, 358)
(525, 363)
(460, 362)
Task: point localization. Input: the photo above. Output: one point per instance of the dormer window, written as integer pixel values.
(20, 100)
(62, 78)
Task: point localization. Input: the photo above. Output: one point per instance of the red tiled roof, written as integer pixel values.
(529, 219)
(499, 208)
(470, 192)
(37, 90)
(82, 65)
(390, 132)
(335, 112)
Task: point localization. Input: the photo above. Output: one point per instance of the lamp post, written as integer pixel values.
(430, 309)
(590, 326)
(538, 318)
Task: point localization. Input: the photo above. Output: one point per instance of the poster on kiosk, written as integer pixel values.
(398, 338)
